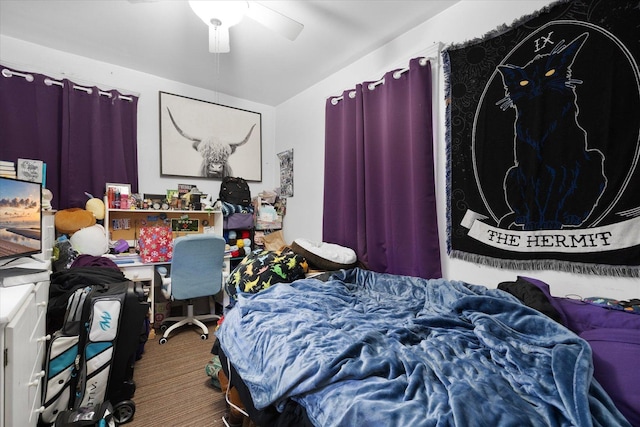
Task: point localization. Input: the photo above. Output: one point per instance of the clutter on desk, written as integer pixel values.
(185, 197)
(269, 211)
(156, 243)
(239, 242)
(117, 195)
(125, 258)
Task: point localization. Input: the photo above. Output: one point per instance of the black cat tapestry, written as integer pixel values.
(543, 134)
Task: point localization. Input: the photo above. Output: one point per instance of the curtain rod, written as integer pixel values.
(373, 85)
(49, 81)
(431, 53)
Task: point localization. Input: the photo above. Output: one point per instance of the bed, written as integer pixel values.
(372, 349)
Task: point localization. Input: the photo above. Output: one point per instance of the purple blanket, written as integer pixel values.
(614, 337)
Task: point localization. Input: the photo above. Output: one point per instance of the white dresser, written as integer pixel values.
(22, 351)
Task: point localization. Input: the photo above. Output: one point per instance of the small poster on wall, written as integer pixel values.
(286, 173)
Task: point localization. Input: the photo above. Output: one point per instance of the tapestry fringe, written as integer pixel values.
(549, 264)
(447, 126)
(503, 28)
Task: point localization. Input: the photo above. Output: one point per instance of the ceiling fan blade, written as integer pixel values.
(219, 39)
(275, 21)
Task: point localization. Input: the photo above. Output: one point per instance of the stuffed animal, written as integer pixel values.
(90, 240)
(68, 221)
(95, 206)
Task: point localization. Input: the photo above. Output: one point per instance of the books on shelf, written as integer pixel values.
(7, 169)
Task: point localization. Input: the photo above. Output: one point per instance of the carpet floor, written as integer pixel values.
(172, 388)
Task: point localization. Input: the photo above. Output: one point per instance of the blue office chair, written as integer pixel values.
(196, 271)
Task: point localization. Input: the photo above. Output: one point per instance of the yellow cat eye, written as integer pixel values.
(524, 82)
(551, 72)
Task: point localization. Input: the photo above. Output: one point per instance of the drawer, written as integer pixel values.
(42, 300)
(138, 273)
(22, 357)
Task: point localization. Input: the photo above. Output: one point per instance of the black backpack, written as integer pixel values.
(235, 191)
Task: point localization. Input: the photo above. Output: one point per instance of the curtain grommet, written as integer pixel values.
(8, 73)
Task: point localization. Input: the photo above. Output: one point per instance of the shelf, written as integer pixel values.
(213, 211)
(125, 224)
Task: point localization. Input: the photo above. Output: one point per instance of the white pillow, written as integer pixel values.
(327, 256)
(90, 240)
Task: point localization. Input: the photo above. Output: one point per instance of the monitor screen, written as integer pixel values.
(20, 218)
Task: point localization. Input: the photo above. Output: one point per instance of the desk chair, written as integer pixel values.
(196, 271)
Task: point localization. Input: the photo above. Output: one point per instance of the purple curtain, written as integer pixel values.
(379, 189)
(86, 139)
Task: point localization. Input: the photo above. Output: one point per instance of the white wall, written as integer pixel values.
(300, 125)
(57, 64)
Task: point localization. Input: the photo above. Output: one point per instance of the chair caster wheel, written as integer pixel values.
(163, 327)
(204, 336)
(163, 340)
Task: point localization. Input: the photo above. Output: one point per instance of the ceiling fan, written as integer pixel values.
(222, 15)
(219, 16)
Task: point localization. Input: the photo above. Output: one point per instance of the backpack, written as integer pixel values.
(235, 191)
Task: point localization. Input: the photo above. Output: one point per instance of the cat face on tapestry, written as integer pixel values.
(556, 180)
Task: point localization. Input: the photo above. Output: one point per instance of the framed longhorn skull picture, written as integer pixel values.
(208, 140)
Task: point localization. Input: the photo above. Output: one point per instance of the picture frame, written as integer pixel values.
(171, 193)
(202, 139)
(121, 188)
(31, 170)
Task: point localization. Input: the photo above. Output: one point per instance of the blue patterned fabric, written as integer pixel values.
(371, 349)
(229, 209)
(263, 268)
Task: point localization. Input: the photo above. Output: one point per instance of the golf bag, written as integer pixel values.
(100, 415)
(90, 359)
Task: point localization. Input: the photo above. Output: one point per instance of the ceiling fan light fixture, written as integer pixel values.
(219, 13)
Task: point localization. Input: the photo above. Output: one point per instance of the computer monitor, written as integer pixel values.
(20, 218)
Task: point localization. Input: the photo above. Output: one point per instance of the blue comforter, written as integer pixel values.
(370, 349)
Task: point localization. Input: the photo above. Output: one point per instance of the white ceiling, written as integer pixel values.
(165, 38)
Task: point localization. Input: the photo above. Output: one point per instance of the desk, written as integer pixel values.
(126, 223)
